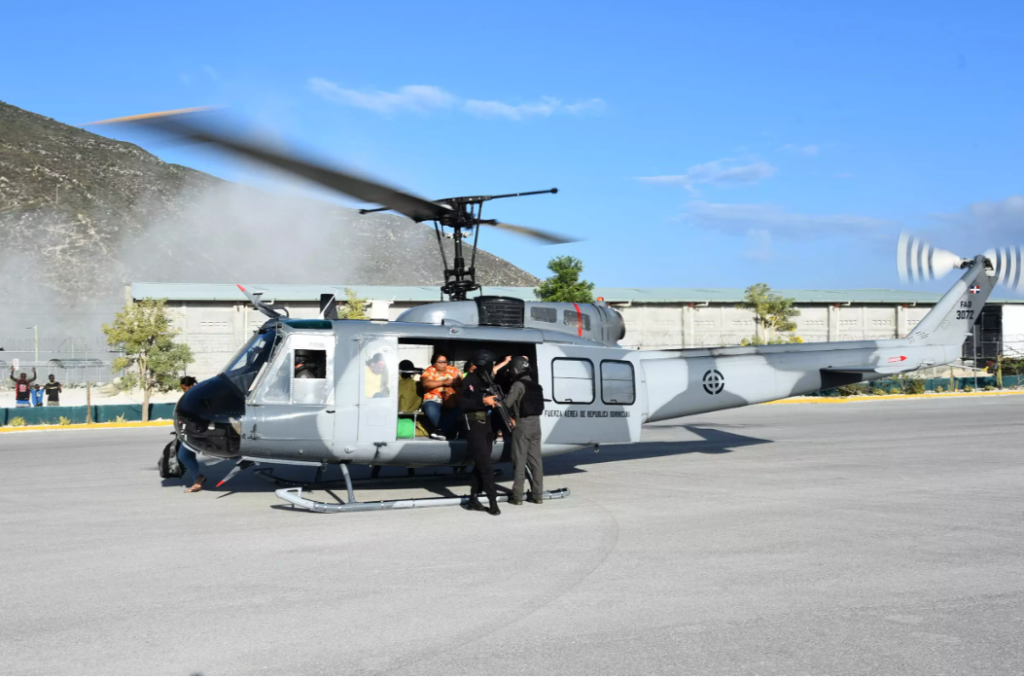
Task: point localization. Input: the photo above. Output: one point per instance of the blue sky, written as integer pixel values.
(694, 144)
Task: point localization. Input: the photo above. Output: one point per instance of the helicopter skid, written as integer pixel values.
(319, 484)
(293, 495)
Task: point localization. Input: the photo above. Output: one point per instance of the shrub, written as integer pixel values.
(895, 390)
(968, 389)
(939, 389)
(850, 390)
(877, 391)
(64, 421)
(120, 419)
(17, 421)
(914, 386)
(989, 387)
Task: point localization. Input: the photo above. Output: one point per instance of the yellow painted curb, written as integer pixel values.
(70, 427)
(902, 396)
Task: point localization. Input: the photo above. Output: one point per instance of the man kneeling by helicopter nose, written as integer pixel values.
(475, 404)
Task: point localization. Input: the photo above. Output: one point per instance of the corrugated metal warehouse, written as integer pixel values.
(216, 319)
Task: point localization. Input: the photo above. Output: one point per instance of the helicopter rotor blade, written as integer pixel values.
(171, 122)
(535, 233)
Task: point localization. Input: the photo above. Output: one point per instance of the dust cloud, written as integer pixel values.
(69, 276)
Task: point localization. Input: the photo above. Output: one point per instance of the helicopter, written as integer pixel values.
(258, 410)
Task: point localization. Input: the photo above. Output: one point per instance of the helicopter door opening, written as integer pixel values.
(293, 405)
(589, 399)
(455, 353)
(378, 390)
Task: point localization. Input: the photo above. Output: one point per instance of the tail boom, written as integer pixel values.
(681, 383)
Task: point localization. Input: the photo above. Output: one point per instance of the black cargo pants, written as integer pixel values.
(480, 440)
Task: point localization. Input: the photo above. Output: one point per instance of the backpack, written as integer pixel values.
(532, 404)
(169, 466)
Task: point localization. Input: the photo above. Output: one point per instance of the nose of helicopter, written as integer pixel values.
(207, 417)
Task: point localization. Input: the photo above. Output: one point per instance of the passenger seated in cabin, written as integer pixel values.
(410, 415)
(377, 377)
(307, 365)
(440, 382)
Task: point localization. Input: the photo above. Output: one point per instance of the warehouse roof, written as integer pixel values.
(639, 295)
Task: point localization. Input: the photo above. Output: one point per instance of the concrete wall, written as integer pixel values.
(216, 330)
(652, 326)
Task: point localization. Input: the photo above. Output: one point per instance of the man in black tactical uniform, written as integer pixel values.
(475, 404)
(525, 402)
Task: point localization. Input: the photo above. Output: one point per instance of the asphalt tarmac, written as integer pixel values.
(867, 538)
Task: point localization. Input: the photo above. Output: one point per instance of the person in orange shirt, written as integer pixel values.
(439, 382)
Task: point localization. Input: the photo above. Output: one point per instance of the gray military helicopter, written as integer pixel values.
(344, 409)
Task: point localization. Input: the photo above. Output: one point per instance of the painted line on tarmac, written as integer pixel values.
(902, 396)
(73, 427)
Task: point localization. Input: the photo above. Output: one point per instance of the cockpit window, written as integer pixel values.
(246, 364)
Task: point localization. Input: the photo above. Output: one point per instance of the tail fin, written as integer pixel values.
(949, 323)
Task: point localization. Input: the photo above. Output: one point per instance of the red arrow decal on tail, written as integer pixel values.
(898, 360)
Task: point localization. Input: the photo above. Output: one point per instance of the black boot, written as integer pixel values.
(494, 510)
(474, 504)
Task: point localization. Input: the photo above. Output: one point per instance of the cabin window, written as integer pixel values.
(573, 381)
(277, 386)
(302, 373)
(617, 383)
(574, 319)
(309, 387)
(544, 315)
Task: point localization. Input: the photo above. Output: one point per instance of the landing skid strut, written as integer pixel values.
(293, 495)
(319, 483)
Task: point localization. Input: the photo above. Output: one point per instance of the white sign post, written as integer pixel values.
(14, 363)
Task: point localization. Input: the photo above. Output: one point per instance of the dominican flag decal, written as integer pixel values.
(974, 289)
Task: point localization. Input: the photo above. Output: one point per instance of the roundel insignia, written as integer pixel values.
(714, 382)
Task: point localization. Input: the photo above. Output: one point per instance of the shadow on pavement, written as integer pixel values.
(439, 479)
(714, 441)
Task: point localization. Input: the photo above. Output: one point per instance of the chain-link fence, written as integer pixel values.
(70, 372)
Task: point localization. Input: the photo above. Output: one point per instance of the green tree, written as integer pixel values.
(564, 283)
(154, 362)
(354, 308)
(772, 312)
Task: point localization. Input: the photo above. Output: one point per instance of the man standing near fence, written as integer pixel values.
(22, 388)
(53, 390)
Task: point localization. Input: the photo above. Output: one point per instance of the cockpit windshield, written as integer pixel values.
(245, 366)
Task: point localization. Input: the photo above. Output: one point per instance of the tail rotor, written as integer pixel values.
(1007, 262)
(917, 261)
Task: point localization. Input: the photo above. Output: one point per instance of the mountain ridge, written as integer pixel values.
(80, 212)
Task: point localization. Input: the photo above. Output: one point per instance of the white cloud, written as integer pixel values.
(810, 150)
(760, 245)
(722, 172)
(1002, 221)
(585, 107)
(426, 98)
(418, 98)
(211, 73)
(545, 107)
(741, 219)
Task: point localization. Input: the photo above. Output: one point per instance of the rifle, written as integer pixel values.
(494, 390)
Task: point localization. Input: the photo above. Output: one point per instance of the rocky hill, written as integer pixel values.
(82, 214)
